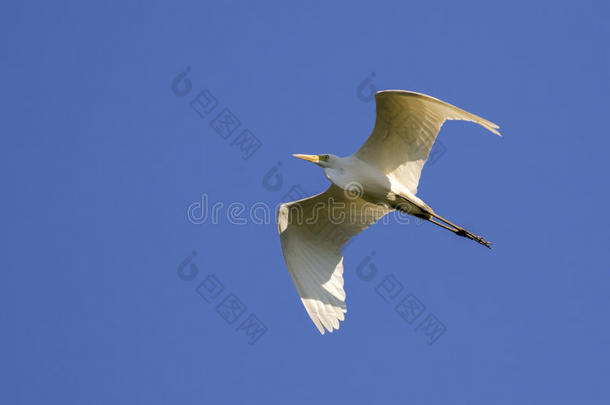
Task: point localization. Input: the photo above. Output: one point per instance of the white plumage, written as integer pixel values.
(381, 176)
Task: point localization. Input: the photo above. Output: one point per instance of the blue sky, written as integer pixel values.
(100, 160)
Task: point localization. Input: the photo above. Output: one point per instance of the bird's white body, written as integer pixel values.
(384, 173)
(349, 171)
(373, 185)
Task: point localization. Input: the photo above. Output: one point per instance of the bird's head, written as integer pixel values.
(320, 160)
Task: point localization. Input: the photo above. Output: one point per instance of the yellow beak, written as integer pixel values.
(310, 158)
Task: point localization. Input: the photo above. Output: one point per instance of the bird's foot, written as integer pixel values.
(476, 238)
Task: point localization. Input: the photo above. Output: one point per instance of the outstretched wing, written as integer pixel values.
(406, 127)
(313, 232)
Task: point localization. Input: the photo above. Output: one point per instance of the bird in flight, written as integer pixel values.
(382, 176)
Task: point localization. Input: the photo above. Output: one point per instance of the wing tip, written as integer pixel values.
(325, 321)
(492, 128)
(330, 329)
(481, 121)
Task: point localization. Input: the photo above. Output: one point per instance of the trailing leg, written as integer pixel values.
(458, 230)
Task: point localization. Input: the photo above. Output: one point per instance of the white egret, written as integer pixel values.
(380, 177)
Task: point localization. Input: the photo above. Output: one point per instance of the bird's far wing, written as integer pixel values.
(313, 232)
(406, 127)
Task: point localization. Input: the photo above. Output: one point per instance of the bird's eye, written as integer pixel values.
(324, 158)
